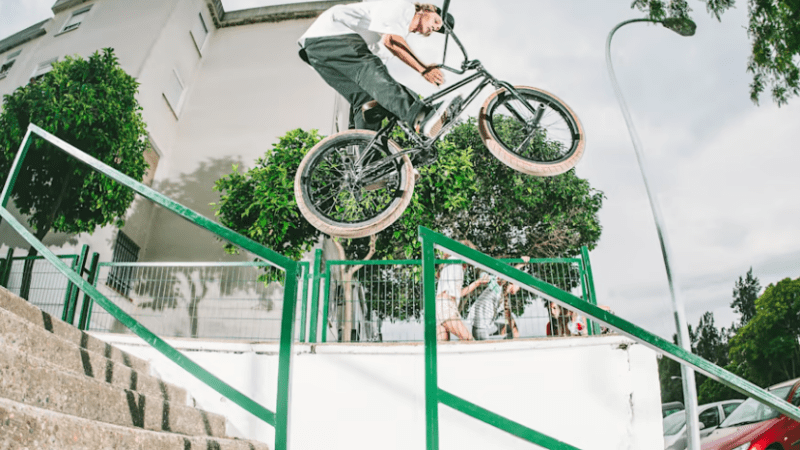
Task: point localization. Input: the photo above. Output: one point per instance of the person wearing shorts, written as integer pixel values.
(449, 292)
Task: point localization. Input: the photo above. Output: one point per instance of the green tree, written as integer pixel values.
(766, 351)
(745, 293)
(774, 31)
(538, 216)
(91, 104)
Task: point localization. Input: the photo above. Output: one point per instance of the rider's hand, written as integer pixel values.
(434, 76)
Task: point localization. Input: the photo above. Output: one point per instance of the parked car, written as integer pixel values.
(709, 415)
(670, 408)
(756, 426)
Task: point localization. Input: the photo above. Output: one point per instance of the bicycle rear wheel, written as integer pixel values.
(333, 196)
(546, 143)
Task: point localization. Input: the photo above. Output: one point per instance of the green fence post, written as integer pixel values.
(587, 266)
(315, 295)
(431, 369)
(304, 304)
(68, 293)
(80, 267)
(585, 296)
(283, 399)
(325, 306)
(85, 319)
(7, 268)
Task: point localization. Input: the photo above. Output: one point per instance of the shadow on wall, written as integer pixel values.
(163, 235)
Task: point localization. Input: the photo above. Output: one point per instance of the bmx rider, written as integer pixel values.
(342, 45)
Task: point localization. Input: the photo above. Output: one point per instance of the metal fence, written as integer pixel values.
(48, 288)
(382, 300)
(238, 300)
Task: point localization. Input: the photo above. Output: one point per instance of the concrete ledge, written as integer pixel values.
(27, 427)
(275, 13)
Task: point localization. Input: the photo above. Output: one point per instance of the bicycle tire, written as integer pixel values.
(558, 147)
(311, 178)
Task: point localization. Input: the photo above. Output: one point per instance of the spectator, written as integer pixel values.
(491, 305)
(559, 320)
(448, 296)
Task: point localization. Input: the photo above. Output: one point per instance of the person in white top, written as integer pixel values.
(343, 46)
(448, 296)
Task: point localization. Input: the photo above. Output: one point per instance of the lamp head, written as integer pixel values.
(681, 25)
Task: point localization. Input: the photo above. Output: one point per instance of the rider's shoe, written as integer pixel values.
(433, 122)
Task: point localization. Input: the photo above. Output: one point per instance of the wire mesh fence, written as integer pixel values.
(47, 288)
(382, 301)
(240, 301)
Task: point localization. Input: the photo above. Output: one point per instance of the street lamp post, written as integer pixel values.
(684, 27)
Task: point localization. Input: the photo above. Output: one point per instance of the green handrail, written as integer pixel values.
(278, 419)
(434, 395)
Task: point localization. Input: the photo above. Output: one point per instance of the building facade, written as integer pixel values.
(217, 89)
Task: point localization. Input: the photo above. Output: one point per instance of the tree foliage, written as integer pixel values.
(774, 31)
(470, 194)
(766, 350)
(745, 293)
(503, 212)
(92, 105)
(260, 204)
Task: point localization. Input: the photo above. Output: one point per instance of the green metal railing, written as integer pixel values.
(279, 418)
(434, 395)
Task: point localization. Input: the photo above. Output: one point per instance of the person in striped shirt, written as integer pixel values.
(488, 312)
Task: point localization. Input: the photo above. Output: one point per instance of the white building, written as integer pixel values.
(218, 88)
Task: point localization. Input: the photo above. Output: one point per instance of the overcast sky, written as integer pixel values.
(723, 169)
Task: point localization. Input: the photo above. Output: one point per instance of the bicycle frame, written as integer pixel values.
(373, 174)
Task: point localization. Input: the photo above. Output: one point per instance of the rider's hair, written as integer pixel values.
(424, 7)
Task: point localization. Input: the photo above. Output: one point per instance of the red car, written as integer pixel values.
(754, 426)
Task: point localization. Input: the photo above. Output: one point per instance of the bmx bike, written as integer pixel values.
(357, 182)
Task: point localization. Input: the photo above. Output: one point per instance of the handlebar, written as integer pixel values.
(466, 64)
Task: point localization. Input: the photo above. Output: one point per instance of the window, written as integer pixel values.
(75, 19)
(125, 251)
(729, 407)
(710, 417)
(174, 92)
(6, 67)
(43, 68)
(199, 32)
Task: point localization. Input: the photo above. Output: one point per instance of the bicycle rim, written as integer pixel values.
(546, 138)
(334, 199)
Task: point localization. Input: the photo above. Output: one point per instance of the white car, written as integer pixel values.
(710, 416)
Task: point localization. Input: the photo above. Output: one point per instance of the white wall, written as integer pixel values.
(593, 393)
(246, 88)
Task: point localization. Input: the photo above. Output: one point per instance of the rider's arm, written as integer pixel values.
(399, 47)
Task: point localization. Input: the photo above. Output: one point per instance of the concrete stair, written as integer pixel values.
(61, 388)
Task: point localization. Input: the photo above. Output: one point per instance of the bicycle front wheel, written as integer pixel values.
(545, 139)
(335, 196)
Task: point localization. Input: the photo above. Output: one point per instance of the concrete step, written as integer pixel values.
(29, 380)
(26, 427)
(36, 316)
(24, 337)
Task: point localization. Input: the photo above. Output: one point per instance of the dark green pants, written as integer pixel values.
(347, 65)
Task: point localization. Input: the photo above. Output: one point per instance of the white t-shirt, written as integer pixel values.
(451, 280)
(370, 19)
